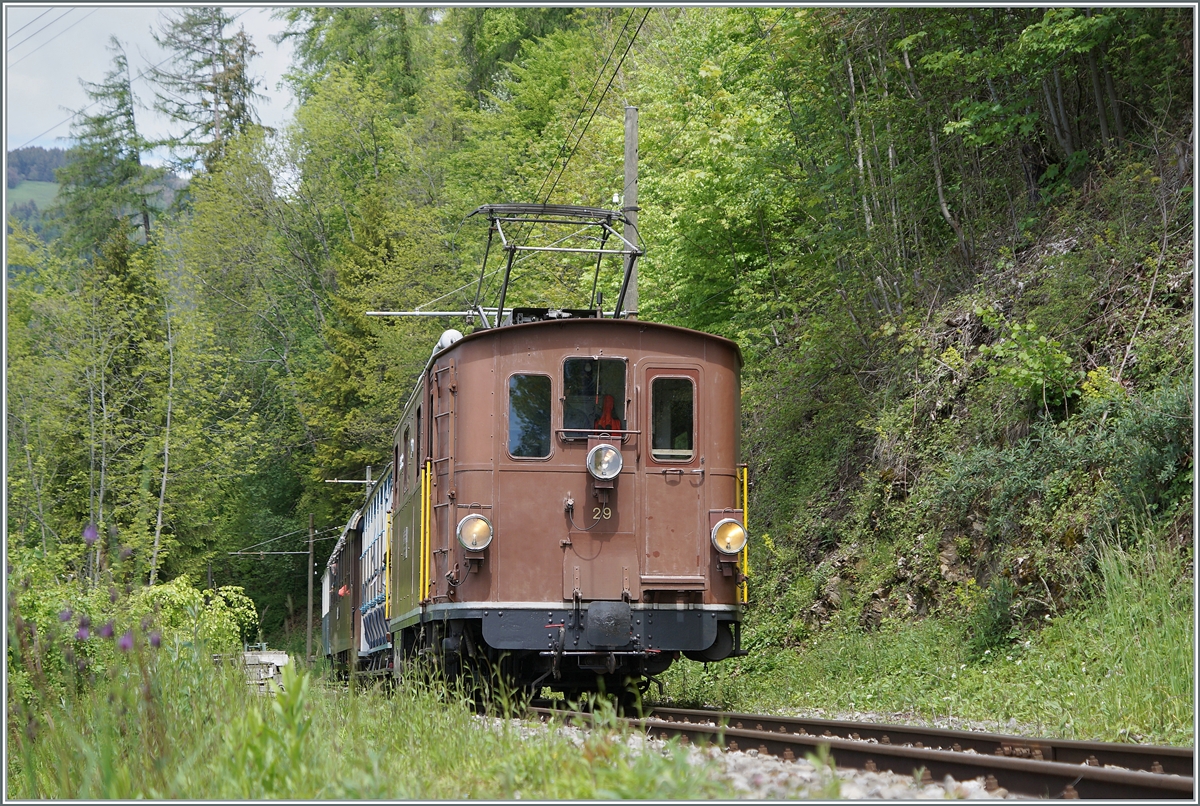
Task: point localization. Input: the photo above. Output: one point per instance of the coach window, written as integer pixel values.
(593, 395)
(529, 416)
(672, 402)
(403, 459)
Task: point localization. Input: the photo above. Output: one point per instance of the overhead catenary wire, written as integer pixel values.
(281, 537)
(56, 36)
(26, 25)
(39, 30)
(584, 106)
(599, 102)
(595, 110)
(79, 112)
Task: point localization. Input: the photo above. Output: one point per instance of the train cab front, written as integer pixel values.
(625, 469)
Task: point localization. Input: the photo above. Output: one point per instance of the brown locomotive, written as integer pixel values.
(563, 504)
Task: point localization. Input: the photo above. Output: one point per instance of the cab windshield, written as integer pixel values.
(593, 396)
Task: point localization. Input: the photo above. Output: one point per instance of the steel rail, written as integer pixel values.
(1028, 776)
(1150, 758)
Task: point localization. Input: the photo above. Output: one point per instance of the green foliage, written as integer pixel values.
(1119, 668)
(1031, 363)
(273, 745)
(162, 726)
(186, 614)
(990, 617)
(838, 190)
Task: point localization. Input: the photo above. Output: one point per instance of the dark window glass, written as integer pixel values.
(594, 395)
(672, 402)
(529, 415)
(406, 457)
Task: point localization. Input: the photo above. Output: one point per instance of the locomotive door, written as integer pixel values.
(673, 469)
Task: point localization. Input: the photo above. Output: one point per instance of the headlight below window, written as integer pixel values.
(728, 536)
(475, 532)
(604, 462)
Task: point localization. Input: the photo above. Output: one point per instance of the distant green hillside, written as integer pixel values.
(41, 193)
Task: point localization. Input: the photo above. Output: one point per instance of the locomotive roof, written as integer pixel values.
(605, 322)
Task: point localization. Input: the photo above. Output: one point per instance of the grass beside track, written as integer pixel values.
(163, 726)
(1121, 669)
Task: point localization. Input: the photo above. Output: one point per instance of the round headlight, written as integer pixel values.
(604, 462)
(475, 532)
(728, 536)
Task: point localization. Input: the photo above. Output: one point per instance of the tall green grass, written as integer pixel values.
(1121, 668)
(171, 724)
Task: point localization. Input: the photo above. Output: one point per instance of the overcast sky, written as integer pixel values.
(49, 48)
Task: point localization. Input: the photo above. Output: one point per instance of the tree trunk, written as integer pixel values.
(162, 489)
(1113, 104)
(1101, 114)
(858, 147)
(937, 166)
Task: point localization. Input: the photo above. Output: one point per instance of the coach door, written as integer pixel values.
(672, 436)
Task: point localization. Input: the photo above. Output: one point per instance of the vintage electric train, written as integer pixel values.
(563, 504)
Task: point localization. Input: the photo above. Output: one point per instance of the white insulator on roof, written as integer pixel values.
(448, 337)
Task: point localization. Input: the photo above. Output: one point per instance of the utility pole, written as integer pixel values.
(311, 570)
(630, 206)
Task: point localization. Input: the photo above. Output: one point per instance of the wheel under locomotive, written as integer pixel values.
(563, 505)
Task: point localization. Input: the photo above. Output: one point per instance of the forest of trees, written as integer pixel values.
(953, 244)
(34, 164)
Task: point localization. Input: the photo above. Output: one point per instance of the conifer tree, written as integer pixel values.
(105, 186)
(206, 89)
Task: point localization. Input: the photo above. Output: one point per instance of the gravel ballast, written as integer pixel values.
(754, 776)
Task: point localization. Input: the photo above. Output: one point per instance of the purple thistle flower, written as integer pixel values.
(85, 621)
(82, 634)
(125, 642)
(146, 622)
(113, 595)
(65, 615)
(107, 630)
(155, 639)
(90, 533)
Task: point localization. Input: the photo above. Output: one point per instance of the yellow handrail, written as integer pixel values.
(744, 588)
(426, 492)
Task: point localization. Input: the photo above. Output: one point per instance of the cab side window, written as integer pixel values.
(672, 410)
(529, 416)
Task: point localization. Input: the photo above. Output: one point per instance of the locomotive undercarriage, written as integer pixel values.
(584, 647)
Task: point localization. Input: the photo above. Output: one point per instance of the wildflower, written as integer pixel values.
(113, 595)
(82, 634)
(85, 621)
(155, 639)
(145, 623)
(125, 642)
(90, 534)
(65, 615)
(1008, 657)
(126, 552)
(107, 630)
(987, 651)
(954, 675)
(1018, 661)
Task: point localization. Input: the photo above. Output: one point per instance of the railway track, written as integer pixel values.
(1053, 768)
